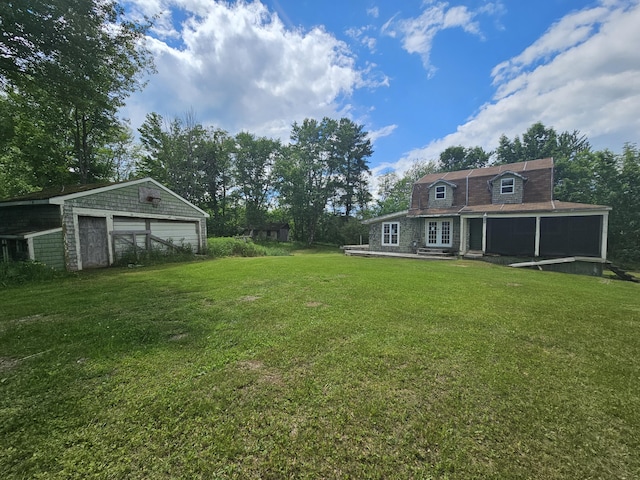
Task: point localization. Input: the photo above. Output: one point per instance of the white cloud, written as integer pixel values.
(382, 132)
(417, 34)
(238, 67)
(582, 74)
(360, 35)
(373, 12)
(570, 31)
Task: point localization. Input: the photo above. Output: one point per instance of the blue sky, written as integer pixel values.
(419, 75)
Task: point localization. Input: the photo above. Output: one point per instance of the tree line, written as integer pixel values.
(67, 67)
(243, 181)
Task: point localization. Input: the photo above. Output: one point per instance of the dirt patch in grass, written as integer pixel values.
(177, 337)
(267, 375)
(313, 304)
(7, 364)
(249, 298)
(29, 319)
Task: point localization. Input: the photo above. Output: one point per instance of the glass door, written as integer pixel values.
(438, 233)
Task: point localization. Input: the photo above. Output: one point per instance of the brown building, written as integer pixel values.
(505, 210)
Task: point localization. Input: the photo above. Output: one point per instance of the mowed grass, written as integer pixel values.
(320, 366)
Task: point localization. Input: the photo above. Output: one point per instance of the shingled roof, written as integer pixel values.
(491, 171)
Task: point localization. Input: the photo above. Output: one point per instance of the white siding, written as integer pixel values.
(124, 223)
(180, 233)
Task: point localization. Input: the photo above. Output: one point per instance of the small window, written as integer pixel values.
(391, 233)
(507, 185)
(441, 192)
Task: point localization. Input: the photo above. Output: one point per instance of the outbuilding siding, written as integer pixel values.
(49, 249)
(69, 231)
(127, 198)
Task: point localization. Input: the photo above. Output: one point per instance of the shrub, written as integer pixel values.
(16, 273)
(235, 247)
(178, 253)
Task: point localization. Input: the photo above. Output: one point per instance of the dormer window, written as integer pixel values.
(441, 193)
(507, 185)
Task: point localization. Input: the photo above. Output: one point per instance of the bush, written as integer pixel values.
(16, 273)
(179, 253)
(243, 247)
(234, 247)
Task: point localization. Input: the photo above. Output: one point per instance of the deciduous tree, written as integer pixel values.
(75, 61)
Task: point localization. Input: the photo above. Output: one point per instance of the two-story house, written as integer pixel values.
(505, 210)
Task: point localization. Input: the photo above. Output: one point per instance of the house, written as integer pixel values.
(278, 232)
(89, 226)
(504, 210)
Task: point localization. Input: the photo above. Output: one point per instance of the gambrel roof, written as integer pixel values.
(492, 171)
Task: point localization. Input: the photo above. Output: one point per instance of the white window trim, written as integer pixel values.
(390, 234)
(443, 192)
(511, 185)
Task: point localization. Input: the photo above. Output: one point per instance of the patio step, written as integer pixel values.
(434, 252)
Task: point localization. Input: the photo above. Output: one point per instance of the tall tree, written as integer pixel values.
(541, 142)
(120, 155)
(217, 160)
(254, 161)
(75, 61)
(308, 175)
(352, 148)
(461, 158)
(625, 217)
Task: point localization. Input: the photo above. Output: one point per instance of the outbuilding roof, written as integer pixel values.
(58, 195)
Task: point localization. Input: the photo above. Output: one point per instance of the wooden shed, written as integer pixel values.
(90, 226)
(278, 232)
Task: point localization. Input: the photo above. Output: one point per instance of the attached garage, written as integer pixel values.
(91, 226)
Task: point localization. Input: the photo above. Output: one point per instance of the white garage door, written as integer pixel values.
(180, 233)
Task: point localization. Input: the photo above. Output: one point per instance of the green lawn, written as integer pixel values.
(320, 366)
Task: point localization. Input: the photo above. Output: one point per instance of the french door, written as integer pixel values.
(438, 233)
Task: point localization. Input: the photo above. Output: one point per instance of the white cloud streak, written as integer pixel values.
(582, 74)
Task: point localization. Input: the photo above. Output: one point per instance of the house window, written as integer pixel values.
(391, 233)
(507, 185)
(441, 192)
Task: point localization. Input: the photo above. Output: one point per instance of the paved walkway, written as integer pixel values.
(367, 253)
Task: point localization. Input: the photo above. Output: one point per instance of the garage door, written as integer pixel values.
(94, 250)
(178, 233)
(137, 233)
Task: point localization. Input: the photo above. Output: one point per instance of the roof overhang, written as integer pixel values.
(384, 218)
(61, 199)
(510, 209)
